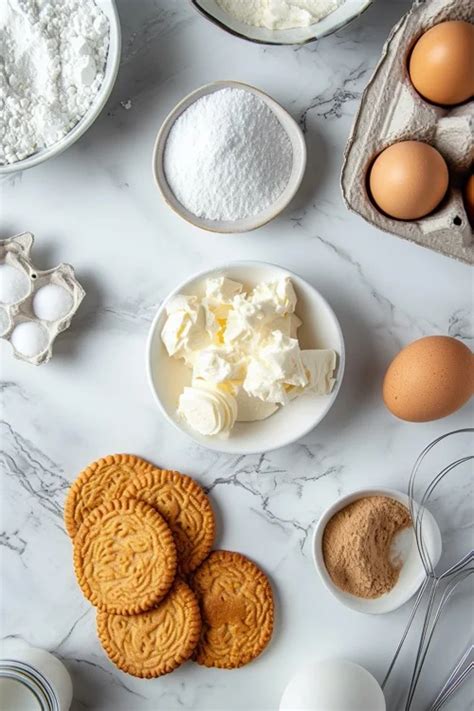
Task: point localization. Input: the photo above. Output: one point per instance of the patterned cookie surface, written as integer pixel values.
(104, 479)
(186, 509)
(124, 557)
(236, 603)
(155, 642)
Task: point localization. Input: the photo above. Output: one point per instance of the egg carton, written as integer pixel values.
(390, 111)
(15, 252)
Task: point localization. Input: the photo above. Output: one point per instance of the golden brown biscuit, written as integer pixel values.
(102, 480)
(236, 603)
(186, 509)
(155, 642)
(124, 557)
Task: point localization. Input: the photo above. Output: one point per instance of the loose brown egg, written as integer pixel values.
(469, 199)
(408, 180)
(441, 65)
(430, 378)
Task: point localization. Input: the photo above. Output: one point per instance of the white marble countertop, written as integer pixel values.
(96, 207)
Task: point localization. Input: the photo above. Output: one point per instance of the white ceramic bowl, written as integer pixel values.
(412, 572)
(249, 223)
(347, 12)
(168, 376)
(113, 60)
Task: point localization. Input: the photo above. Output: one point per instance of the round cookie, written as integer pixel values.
(236, 603)
(124, 557)
(186, 509)
(155, 642)
(104, 479)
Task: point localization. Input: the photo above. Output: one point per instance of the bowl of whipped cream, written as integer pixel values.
(245, 358)
(281, 21)
(59, 64)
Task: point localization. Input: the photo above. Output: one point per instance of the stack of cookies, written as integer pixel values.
(142, 541)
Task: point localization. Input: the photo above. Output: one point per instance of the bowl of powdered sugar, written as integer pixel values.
(59, 63)
(280, 21)
(229, 158)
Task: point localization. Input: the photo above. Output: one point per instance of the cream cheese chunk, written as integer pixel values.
(251, 409)
(243, 350)
(277, 365)
(186, 328)
(319, 366)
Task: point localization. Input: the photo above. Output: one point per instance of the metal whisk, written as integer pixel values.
(437, 588)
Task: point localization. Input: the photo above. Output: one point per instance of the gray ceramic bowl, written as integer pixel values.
(246, 224)
(348, 11)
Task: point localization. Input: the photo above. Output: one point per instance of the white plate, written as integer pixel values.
(111, 69)
(348, 11)
(412, 572)
(249, 223)
(320, 329)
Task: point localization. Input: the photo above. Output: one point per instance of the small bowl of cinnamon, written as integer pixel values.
(365, 550)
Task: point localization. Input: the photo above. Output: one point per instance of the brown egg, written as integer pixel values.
(408, 180)
(430, 378)
(469, 198)
(441, 65)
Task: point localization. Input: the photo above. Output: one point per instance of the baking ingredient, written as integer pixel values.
(357, 545)
(430, 378)
(441, 65)
(208, 410)
(333, 685)
(14, 284)
(408, 180)
(53, 62)
(243, 350)
(469, 199)
(51, 302)
(227, 156)
(29, 338)
(32, 679)
(279, 14)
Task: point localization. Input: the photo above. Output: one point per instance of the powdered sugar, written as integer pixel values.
(227, 156)
(52, 63)
(279, 14)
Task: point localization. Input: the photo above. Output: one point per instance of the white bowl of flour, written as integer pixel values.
(228, 158)
(60, 63)
(283, 22)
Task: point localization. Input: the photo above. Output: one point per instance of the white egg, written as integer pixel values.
(14, 284)
(52, 302)
(29, 338)
(333, 685)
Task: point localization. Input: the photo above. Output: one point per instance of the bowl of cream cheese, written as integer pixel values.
(280, 21)
(245, 358)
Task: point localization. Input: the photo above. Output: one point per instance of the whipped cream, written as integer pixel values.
(208, 410)
(242, 347)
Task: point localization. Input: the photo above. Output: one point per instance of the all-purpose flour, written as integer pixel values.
(279, 14)
(52, 62)
(227, 156)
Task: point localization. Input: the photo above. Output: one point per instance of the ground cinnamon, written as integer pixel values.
(357, 544)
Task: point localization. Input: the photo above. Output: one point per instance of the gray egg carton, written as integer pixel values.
(15, 251)
(391, 110)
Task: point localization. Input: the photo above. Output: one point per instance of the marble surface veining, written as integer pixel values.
(96, 207)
